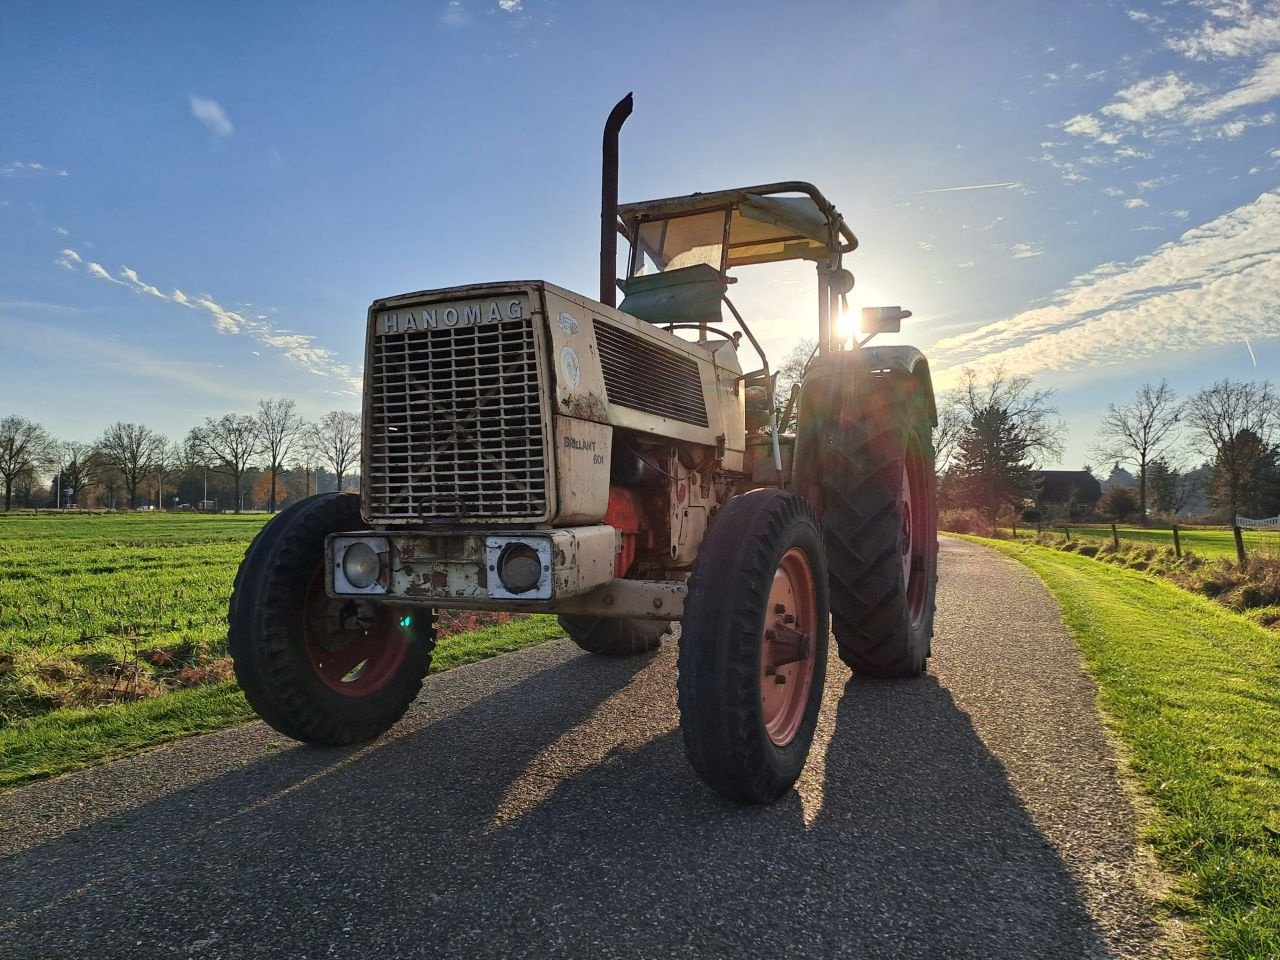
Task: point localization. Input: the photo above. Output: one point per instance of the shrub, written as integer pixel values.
(963, 520)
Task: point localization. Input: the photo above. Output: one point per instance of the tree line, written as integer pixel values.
(1218, 448)
(130, 458)
(1221, 443)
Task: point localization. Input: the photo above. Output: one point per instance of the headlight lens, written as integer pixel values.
(519, 568)
(360, 565)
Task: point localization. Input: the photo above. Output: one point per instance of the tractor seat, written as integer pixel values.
(686, 295)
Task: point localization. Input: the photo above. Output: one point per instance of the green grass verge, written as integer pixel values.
(1193, 690)
(1205, 542)
(68, 739)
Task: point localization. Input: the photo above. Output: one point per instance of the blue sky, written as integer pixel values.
(198, 202)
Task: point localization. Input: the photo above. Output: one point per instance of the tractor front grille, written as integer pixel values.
(643, 376)
(454, 426)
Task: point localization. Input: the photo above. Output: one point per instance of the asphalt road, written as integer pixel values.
(539, 805)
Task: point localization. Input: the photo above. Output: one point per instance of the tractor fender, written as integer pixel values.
(828, 383)
(908, 360)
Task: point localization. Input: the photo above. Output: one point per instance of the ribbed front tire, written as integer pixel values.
(323, 671)
(753, 646)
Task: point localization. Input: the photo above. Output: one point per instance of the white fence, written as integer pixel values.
(1271, 523)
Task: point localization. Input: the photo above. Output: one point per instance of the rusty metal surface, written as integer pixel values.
(639, 599)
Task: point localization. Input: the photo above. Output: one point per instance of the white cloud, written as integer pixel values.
(965, 265)
(510, 6)
(147, 288)
(1148, 98)
(224, 320)
(1113, 191)
(1261, 86)
(1022, 251)
(297, 348)
(62, 231)
(1217, 283)
(1250, 32)
(1083, 125)
(99, 271)
(924, 245)
(1135, 203)
(210, 113)
(1180, 214)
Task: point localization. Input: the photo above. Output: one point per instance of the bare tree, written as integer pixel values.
(131, 449)
(946, 435)
(1237, 419)
(226, 446)
(306, 456)
(790, 374)
(25, 449)
(78, 467)
(279, 428)
(1005, 430)
(167, 469)
(1140, 432)
(336, 440)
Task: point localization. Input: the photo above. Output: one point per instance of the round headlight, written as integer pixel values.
(360, 565)
(519, 568)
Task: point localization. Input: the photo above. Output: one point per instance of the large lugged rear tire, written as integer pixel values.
(324, 671)
(879, 524)
(753, 646)
(614, 638)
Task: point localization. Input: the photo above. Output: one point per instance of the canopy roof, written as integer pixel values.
(763, 227)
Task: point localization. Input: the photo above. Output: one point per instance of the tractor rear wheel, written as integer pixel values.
(753, 647)
(614, 638)
(879, 522)
(322, 670)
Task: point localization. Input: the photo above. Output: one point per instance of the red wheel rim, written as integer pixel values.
(355, 646)
(915, 530)
(786, 648)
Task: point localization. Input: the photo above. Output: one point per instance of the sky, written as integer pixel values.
(198, 202)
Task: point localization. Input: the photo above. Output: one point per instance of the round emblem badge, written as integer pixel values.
(570, 368)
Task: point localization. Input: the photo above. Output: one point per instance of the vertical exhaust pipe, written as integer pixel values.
(609, 202)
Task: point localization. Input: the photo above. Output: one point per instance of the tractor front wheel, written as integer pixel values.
(318, 669)
(753, 647)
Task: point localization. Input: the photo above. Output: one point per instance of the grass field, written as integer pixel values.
(1193, 691)
(1204, 541)
(113, 635)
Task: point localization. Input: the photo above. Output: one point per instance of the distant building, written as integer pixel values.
(1067, 491)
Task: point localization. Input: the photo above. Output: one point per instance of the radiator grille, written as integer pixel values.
(455, 425)
(643, 376)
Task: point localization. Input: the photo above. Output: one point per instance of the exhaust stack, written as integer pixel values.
(609, 202)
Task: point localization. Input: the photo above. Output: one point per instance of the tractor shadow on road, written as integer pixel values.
(558, 817)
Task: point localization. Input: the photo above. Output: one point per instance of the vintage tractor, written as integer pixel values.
(529, 449)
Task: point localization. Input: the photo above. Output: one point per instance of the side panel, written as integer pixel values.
(582, 455)
(580, 382)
